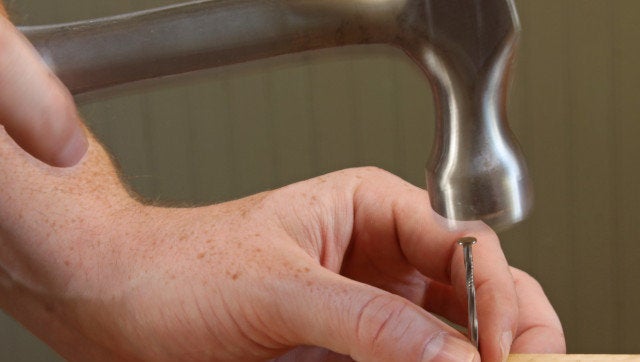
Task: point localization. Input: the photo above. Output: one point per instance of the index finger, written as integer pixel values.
(431, 247)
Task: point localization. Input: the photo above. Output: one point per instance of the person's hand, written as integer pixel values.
(355, 262)
(33, 107)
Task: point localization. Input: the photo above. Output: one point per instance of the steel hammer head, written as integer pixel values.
(466, 47)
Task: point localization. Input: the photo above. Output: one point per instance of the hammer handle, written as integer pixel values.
(101, 53)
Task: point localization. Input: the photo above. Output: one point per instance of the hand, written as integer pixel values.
(252, 279)
(272, 263)
(32, 103)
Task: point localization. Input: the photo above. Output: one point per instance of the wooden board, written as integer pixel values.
(572, 357)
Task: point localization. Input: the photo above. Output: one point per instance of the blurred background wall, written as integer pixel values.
(575, 107)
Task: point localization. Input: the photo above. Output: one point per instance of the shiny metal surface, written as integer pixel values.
(464, 47)
(472, 313)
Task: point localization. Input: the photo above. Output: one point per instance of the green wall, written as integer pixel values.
(575, 107)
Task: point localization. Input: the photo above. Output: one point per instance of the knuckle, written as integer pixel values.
(522, 278)
(372, 172)
(378, 318)
(371, 178)
(386, 319)
(488, 233)
(365, 173)
(372, 169)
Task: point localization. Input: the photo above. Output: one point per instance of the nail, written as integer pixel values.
(472, 314)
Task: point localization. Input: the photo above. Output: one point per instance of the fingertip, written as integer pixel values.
(540, 340)
(445, 347)
(53, 133)
(505, 344)
(73, 150)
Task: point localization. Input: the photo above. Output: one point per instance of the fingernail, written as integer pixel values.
(445, 347)
(74, 150)
(505, 344)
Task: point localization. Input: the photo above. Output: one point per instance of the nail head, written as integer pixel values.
(469, 240)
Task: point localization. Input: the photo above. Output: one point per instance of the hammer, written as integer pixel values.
(465, 48)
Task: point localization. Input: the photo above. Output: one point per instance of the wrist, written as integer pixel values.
(60, 242)
(76, 299)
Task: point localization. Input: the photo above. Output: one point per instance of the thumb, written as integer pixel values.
(370, 324)
(36, 110)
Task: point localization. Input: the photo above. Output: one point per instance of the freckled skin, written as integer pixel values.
(118, 280)
(353, 267)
